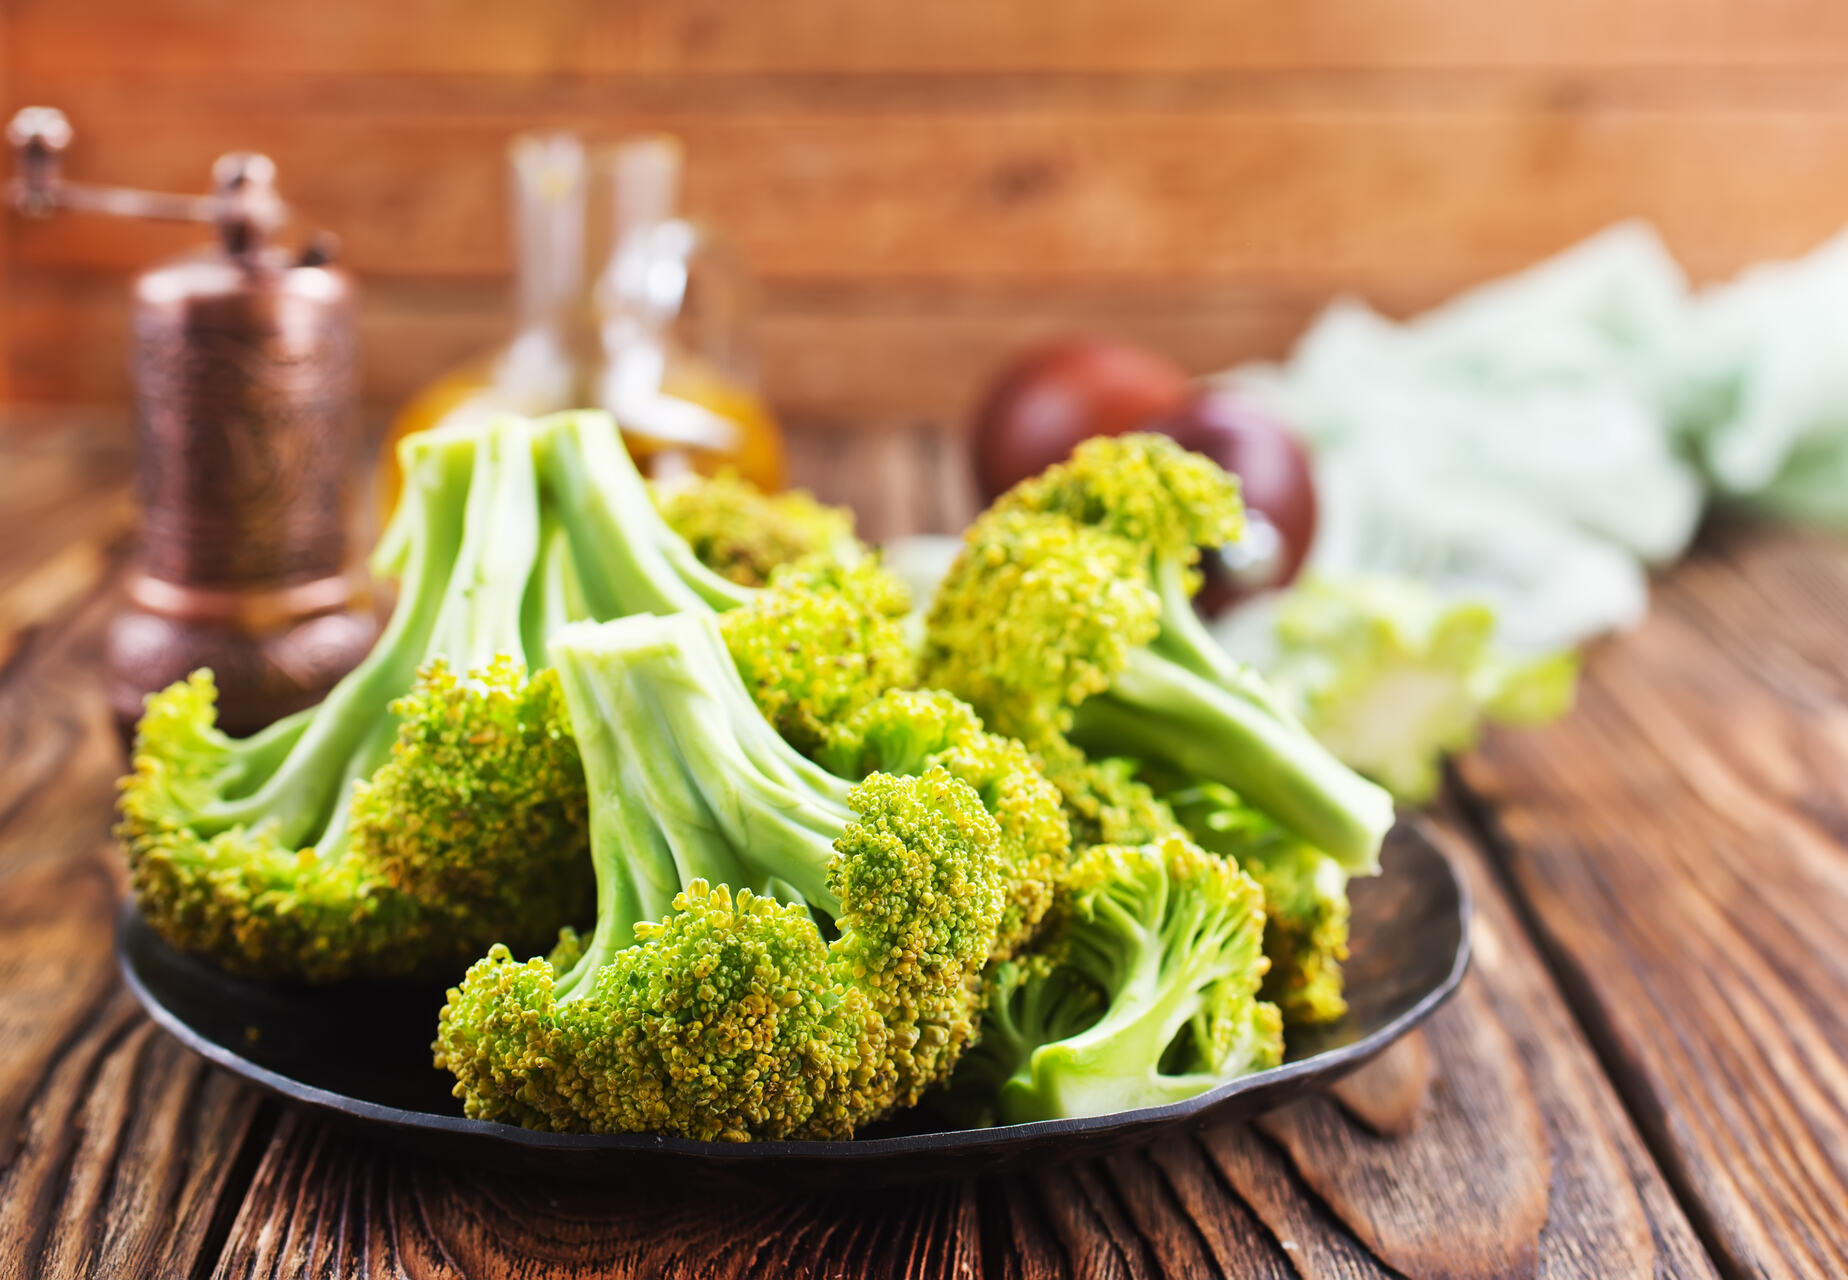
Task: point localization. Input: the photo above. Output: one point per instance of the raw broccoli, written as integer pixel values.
(1392, 677)
(910, 732)
(434, 803)
(1305, 898)
(727, 1012)
(468, 820)
(821, 640)
(628, 559)
(1146, 992)
(1068, 612)
(1106, 802)
(745, 534)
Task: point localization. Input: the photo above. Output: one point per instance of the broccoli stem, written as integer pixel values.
(1158, 709)
(300, 794)
(631, 562)
(469, 528)
(479, 617)
(556, 596)
(480, 613)
(687, 779)
(1158, 988)
(255, 758)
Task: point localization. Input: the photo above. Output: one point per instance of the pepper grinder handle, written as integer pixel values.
(244, 371)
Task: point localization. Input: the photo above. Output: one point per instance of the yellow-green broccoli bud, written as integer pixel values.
(473, 831)
(410, 820)
(909, 731)
(822, 639)
(740, 531)
(1067, 613)
(1037, 615)
(692, 788)
(1105, 802)
(480, 814)
(266, 855)
(731, 1019)
(1142, 487)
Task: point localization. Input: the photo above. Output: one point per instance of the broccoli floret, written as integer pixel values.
(1105, 801)
(821, 640)
(1305, 898)
(265, 855)
(432, 803)
(911, 731)
(1146, 992)
(1392, 677)
(726, 1012)
(745, 534)
(1068, 613)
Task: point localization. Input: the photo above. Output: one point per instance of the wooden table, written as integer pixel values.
(1646, 1072)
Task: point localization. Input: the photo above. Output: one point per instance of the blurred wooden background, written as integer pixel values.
(922, 185)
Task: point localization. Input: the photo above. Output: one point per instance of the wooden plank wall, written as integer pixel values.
(922, 185)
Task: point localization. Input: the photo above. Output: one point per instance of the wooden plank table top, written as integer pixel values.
(1645, 1073)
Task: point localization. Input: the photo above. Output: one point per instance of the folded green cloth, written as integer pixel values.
(1537, 442)
(1758, 383)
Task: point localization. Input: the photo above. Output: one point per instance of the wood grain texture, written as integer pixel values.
(204, 36)
(1521, 1116)
(122, 1155)
(117, 1147)
(1299, 190)
(1524, 1165)
(1680, 842)
(955, 170)
(1521, 1163)
(831, 358)
(1389, 1097)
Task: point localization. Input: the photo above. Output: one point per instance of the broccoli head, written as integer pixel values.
(1392, 677)
(779, 952)
(1106, 801)
(912, 731)
(821, 640)
(1068, 614)
(429, 805)
(1145, 993)
(433, 802)
(745, 534)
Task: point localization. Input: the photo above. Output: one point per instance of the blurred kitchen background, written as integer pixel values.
(922, 188)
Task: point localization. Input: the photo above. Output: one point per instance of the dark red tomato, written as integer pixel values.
(1041, 405)
(1274, 476)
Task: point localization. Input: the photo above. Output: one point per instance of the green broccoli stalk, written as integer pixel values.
(1067, 614)
(722, 1013)
(629, 560)
(1392, 678)
(434, 802)
(744, 534)
(467, 822)
(1305, 898)
(1146, 993)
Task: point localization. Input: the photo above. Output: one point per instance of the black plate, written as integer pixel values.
(363, 1052)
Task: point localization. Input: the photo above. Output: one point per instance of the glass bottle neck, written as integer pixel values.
(550, 193)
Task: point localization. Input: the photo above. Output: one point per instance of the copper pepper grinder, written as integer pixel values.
(243, 365)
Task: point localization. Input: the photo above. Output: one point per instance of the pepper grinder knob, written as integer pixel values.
(39, 136)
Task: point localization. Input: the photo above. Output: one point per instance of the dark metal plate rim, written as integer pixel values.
(867, 1149)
